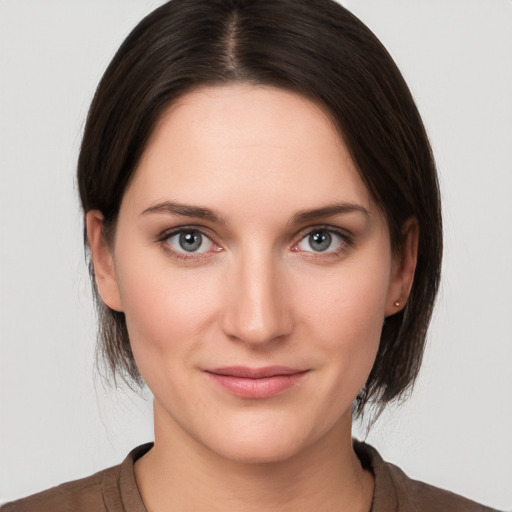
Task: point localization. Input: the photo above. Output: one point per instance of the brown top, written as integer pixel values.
(115, 490)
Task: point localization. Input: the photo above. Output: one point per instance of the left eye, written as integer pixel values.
(190, 240)
(321, 240)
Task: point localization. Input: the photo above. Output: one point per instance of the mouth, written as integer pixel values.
(256, 383)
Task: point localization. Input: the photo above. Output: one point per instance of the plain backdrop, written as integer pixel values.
(58, 421)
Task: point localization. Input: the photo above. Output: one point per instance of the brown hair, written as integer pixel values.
(313, 47)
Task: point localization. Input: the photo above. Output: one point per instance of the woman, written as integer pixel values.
(262, 212)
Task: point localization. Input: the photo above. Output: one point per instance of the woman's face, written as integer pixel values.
(254, 271)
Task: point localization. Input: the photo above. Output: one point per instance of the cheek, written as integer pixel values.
(344, 314)
(166, 308)
(351, 302)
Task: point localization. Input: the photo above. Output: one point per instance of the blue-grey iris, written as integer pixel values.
(320, 240)
(190, 241)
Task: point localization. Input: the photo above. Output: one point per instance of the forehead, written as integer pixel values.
(242, 141)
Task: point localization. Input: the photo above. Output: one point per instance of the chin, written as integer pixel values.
(261, 451)
(265, 440)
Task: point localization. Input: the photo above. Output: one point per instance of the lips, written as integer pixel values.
(256, 383)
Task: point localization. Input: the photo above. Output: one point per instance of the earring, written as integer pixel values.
(396, 304)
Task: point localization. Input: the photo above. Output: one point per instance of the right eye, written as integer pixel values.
(189, 241)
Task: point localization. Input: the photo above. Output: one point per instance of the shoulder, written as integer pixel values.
(84, 494)
(395, 491)
(110, 490)
(421, 496)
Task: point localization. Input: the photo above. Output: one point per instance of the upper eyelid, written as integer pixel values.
(166, 233)
(310, 229)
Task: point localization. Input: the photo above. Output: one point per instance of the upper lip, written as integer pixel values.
(255, 373)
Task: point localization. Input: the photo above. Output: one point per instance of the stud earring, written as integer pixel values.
(396, 304)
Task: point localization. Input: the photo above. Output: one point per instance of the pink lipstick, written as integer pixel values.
(266, 382)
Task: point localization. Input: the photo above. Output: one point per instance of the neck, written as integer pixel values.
(181, 474)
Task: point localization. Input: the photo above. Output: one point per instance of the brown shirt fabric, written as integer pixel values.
(115, 490)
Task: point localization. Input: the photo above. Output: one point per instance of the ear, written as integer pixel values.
(402, 272)
(102, 260)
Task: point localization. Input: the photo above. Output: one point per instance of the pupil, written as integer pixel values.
(190, 241)
(320, 241)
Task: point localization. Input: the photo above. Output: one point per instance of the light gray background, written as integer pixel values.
(57, 420)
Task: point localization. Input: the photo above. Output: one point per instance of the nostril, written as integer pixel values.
(256, 323)
(256, 312)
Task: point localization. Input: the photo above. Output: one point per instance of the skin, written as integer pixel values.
(257, 293)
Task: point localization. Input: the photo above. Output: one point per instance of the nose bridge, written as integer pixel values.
(256, 313)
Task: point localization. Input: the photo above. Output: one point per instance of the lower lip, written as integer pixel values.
(263, 387)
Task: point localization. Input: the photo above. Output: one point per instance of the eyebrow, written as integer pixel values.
(328, 211)
(172, 208)
(199, 212)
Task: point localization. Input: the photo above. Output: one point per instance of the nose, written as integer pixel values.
(257, 310)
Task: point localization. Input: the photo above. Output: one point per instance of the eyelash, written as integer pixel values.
(163, 239)
(346, 242)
